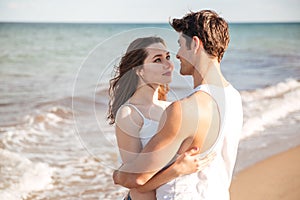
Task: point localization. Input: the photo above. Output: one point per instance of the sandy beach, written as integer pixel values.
(276, 178)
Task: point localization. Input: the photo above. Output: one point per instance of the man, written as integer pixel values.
(213, 110)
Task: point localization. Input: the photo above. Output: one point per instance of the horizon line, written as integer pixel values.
(132, 22)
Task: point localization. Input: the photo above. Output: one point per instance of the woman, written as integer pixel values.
(138, 94)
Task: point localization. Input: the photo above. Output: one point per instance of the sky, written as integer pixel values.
(145, 11)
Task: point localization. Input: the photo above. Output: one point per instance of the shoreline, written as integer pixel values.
(275, 178)
(269, 142)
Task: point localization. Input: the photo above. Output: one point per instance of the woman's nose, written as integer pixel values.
(169, 64)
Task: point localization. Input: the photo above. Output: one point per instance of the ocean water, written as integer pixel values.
(54, 140)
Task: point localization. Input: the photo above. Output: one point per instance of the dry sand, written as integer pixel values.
(276, 178)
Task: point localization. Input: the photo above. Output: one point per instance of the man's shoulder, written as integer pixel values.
(197, 101)
(200, 97)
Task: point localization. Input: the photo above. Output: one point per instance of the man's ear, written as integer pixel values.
(196, 44)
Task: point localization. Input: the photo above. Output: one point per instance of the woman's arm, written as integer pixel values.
(128, 125)
(127, 133)
(186, 163)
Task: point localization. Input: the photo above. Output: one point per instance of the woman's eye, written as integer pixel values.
(157, 60)
(168, 57)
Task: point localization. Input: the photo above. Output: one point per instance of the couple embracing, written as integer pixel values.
(184, 149)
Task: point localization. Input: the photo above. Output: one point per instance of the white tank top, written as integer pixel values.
(148, 129)
(214, 181)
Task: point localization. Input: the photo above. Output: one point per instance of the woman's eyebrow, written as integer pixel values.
(160, 55)
(157, 55)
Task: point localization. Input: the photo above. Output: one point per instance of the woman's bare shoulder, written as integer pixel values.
(127, 114)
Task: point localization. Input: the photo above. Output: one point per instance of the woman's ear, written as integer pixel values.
(196, 44)
(140, 72)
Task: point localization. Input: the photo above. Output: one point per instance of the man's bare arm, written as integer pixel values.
(157, 153)
(182, 121)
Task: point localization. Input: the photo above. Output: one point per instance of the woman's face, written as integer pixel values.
(157, 68)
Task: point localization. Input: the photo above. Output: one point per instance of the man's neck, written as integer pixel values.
(209, 73)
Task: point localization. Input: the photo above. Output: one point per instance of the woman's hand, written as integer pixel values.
(189, 162)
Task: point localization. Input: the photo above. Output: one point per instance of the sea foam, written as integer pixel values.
(22, 176)
(265, 107)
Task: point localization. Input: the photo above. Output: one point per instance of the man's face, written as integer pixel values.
(184, 54)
